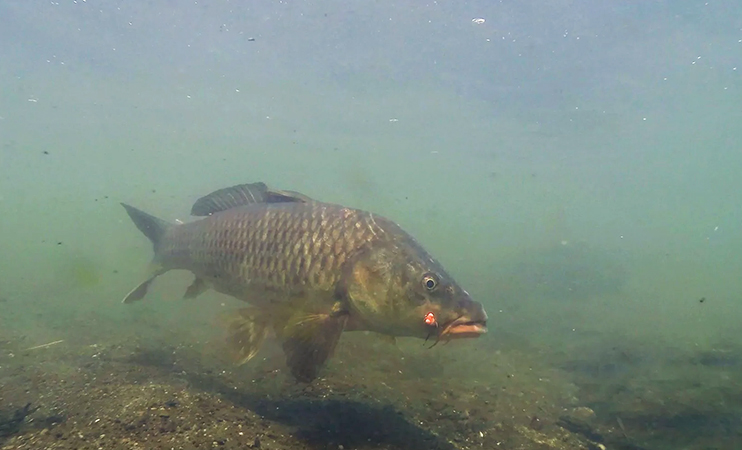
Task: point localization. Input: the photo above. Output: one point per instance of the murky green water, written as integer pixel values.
(576, 166)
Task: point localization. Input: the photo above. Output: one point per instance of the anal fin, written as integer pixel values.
(140, 291)
(198, 287)
(310, 339)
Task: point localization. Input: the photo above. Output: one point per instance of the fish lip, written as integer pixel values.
(464, 327)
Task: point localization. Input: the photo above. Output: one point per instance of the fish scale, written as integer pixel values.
(286, 245)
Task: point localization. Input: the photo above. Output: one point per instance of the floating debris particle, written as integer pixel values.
(36, 347)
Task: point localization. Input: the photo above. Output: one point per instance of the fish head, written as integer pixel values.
(400, 290)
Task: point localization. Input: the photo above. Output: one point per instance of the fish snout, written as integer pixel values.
(471, 323)
(472, 309)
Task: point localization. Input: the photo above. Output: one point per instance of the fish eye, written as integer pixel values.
(430, 282)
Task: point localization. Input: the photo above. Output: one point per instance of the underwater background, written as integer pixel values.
(576, 165)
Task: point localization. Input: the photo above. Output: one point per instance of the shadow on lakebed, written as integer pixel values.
(319, 414)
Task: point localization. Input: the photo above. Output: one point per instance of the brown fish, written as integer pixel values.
(310, 270)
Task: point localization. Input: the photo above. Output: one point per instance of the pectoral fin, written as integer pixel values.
(310, 339)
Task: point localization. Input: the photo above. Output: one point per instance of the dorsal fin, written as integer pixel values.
(241, 195)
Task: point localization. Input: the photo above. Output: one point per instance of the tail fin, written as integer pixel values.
(154, 229)
(151, 226)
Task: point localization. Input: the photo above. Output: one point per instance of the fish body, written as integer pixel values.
(310, 270)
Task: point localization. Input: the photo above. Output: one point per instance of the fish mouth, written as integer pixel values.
(464, 327)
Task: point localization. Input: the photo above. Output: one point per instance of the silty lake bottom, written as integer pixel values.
(154, 376)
